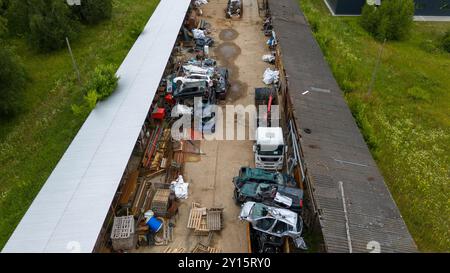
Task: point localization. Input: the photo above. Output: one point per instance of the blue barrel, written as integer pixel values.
(154, 224)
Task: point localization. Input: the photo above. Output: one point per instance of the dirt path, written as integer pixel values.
(239, 46)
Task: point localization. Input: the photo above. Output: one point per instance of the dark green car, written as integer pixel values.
(273, 188)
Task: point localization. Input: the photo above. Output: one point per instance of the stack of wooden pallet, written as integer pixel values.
(204, 220)
(160, 203)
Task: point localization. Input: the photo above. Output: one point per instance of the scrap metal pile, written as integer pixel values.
(153, 185)
(234, 8)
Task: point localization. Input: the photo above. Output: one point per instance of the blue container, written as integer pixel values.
(154, 224)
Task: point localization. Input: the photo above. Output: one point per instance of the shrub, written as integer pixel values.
(369, 18)
(12, 82)
(49, 24)
(103, 82)
(391, 21)
(91, 99)
(446, 41)
(93, 11)
(17, 15)
(101, 85)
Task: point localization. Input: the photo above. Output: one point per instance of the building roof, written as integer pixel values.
(348, 188)
(69, 211)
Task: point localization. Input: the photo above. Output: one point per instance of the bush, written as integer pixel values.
(369, 18)
(446, 41)
(93, 11)
(50, 23)
(103, 82)
(102, 85)
(17, 15)
(12, 82)
(391, 21)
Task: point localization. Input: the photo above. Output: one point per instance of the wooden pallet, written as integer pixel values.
(202, 229)
(214, 219)
(195, 217)
(200, 248)
(174, 250)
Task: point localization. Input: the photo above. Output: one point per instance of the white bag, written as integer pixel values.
(271, 76)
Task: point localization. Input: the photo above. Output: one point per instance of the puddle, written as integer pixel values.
(227, 51)
(228, 34)
(233, 72)
(237, 90)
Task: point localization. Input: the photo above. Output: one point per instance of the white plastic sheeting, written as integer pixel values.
(180, 188)
(271, 76)
(68, 213)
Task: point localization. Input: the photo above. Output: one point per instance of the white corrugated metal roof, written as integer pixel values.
(72, 205)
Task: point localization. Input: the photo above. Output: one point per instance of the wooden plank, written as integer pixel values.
(129, 188)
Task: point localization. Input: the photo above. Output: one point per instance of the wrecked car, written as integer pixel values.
(191, 90)
(206, 62)
(274, 221)
(193, 78)
(221, 83)
(234, 8)
(265, 243)
(194, 69)
(274, 194)
(247, 174)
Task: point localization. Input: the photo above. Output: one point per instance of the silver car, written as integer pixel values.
(275, 221)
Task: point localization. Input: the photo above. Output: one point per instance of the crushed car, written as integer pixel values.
(274, 221)
(221, 83)
(191, 90)
(273, 194)
(234, 8)
(247, 174)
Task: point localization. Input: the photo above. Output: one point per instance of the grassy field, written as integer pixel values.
(32, 143)
(406, 118)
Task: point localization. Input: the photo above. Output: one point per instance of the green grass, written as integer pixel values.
(405, 120)
(32, 143)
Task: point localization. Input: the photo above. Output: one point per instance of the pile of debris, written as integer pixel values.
(234, 8)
